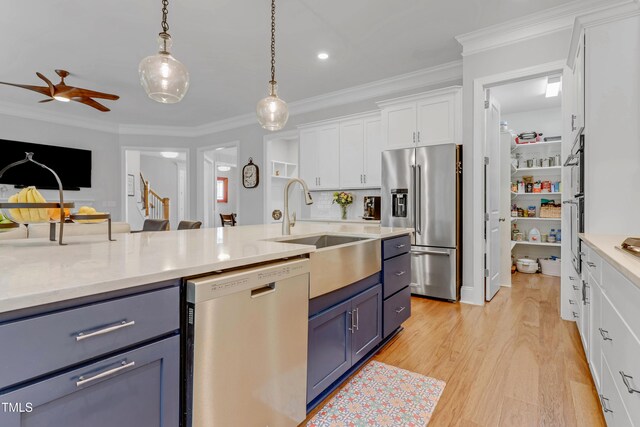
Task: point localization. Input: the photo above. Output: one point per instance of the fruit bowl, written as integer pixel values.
(95, 218)
(6, 224)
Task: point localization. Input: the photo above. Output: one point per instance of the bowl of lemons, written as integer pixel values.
(89, 215)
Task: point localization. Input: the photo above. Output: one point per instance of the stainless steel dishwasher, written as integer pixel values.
(246, 347)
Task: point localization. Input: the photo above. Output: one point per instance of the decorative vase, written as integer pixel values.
(343, 209)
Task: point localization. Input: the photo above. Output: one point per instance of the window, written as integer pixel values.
(222, 190)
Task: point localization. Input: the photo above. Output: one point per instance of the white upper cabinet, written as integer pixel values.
(429, 118)
(309, 157)
(328, 166)
(320, 157)
(352, 154)
(576, 106)
(373, 152)
(345, 153)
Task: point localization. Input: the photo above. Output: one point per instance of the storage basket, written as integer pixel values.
(550, 267)
(550, 211)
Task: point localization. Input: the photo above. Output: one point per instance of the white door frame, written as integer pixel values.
(478, 154)
(200, 190)
(266, 188)
(123, 178)
(492, 219)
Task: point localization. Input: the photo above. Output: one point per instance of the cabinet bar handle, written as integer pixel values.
(603, 401)
(414, 137)
(400, 273)
(575, 315)
(123, 365)
(571, 301)
(572, 279)
(365, 178)
(575, 288)
(352, 329)
(626, 383)
(418, 136)
(419, 253)
(400, 246)
(400, 310)
(124, 324)
(357, 310)
(605, 335)
(591, 264)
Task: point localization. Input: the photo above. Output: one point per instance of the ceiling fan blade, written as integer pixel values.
(77, 92)
(48, 82)
(40, 89)
(45, 100)
(90, 102)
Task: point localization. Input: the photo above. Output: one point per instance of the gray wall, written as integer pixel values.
(532, 52)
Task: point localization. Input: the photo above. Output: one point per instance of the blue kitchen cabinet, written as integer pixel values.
(367, 319)
(340, 336)
(329, 348)
(135, 388)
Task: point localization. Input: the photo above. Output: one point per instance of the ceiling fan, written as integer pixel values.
(62, 92)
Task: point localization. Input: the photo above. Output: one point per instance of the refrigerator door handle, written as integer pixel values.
(415, 205)
(421, 253)
(419, 201)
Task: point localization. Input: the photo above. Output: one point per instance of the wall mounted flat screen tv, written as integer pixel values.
(72, 165)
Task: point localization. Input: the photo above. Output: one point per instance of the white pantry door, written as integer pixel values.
(492, 196)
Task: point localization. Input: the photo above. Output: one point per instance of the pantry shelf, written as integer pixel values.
(552, 169)
(533, 218)
(535, 243)
(535, 194)
(515, 146)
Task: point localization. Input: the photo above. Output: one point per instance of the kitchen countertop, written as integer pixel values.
(35, 271)
(607, 247)
(343, 221)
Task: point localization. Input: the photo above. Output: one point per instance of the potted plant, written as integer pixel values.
(343, 199)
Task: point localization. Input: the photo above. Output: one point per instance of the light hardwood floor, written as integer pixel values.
(513, 362)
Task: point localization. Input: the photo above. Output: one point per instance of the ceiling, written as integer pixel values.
(526, 95)
(225, 45)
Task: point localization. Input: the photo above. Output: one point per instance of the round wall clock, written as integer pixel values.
(250, 175)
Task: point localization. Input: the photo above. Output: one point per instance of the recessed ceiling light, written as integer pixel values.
(323, 56)
(224, 168)
(169, 154)
(553, 86)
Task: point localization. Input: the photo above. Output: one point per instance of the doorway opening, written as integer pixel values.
(523, 179)
(220, 183)
(156, 185)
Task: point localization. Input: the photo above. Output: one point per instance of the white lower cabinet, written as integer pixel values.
(611, 341)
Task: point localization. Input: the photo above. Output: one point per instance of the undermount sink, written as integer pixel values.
(325, 240)
(338, 260)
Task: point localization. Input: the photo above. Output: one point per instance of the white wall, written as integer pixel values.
(162, 175)
(105, 177)
(547, 121)
(528, 53)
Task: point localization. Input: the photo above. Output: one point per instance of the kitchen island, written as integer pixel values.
(105, 321)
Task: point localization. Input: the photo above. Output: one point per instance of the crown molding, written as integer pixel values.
(527, 27)
(32, 113)
(599, 16)
(443, 73)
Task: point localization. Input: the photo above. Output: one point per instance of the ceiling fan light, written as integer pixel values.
(61, 98)
(272, 111)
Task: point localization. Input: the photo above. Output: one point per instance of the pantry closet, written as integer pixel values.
(531, 187)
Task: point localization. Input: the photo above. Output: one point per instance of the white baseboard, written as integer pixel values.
(467, 295)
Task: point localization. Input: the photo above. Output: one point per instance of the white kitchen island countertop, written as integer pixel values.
(607, 246)
(35, 272)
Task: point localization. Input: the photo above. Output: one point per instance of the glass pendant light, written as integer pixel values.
(272, 111)
(163, 77)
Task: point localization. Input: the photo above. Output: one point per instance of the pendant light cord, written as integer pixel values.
(273, 42)
(165, 25)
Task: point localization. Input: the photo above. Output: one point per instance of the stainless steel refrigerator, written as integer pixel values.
(421, 188)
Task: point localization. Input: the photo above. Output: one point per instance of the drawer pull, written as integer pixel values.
(400, 273)
(575, 315)
(605, 335)
(123, 365)
(400, 246)
(124, 324)
(400, 310)
(572, 278)
(575, 288)
(630, 389)
(591, 264)
(603, 401)
(571, 301)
